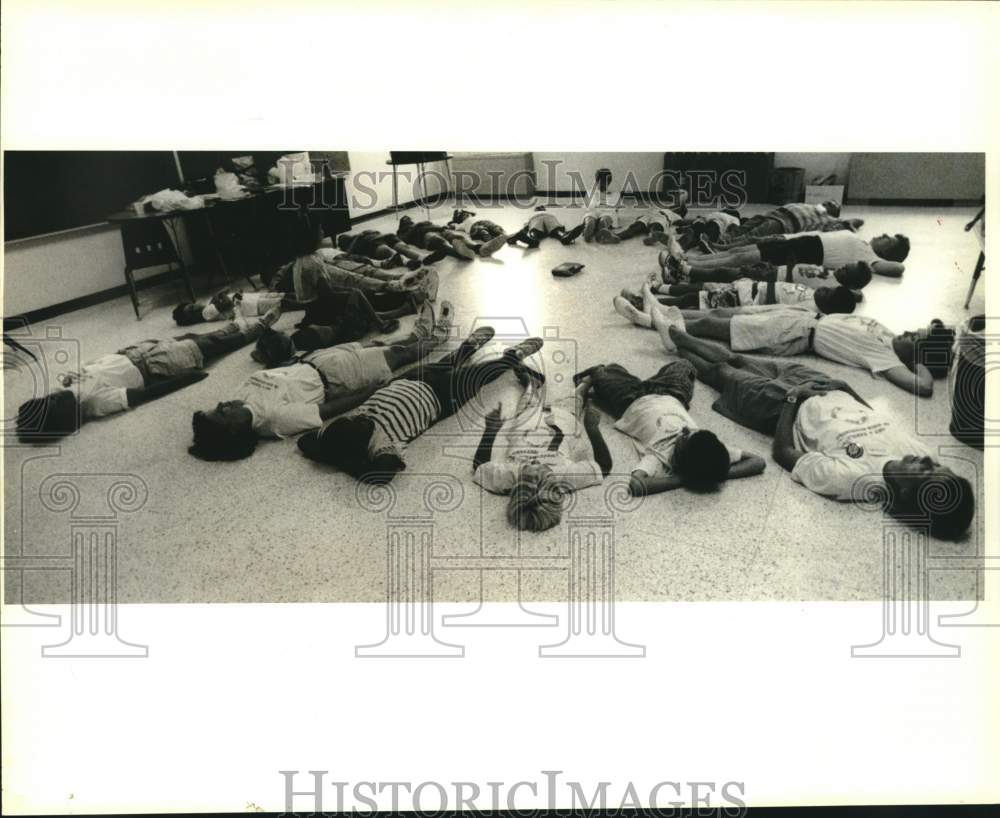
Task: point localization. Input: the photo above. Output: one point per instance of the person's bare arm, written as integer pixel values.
(641, 484)
(889, 269)
(484, 454)
(345, 401)
(747, 466)
(920, 383)
(592, 425)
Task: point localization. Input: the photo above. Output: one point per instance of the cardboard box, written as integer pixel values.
(817, 194)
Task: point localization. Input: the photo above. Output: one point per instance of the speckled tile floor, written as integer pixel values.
(277, 528)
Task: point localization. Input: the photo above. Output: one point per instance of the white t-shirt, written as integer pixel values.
(842, 247)
(102, 387)
(519, 445)
(846, 442)
(654, 422)
(283, 401)
(813, 276)
(351, 367)
(855, 340)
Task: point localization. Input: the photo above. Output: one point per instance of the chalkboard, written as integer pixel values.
(416, 157)
(48, 191)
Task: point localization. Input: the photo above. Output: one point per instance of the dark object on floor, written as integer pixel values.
(968, 383)
(567, 269)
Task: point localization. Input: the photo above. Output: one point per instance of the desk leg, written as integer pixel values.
(975, 277)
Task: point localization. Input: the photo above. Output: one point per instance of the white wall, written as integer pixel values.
(643, 166)
(45, 271)
(816, 164)
(369, 184)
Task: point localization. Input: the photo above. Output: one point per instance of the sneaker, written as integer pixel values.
(667, 317)
(625, 309)
(430, 285)
(462, 248)
(490, 247)
(525, 349)
(605, 236)
(589, 229)
(442, 327)
(389, 325)
(459, 216)
(480, 337)
(424, 326)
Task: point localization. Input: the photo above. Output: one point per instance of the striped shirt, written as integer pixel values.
(805, 216)
(855, 340)
(401, 411)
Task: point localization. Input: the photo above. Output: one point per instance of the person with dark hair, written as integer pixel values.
(541, 225)
(131, 377)
(370, 442)
(854, 340)
(481, 230)
(653, 224)
(299, 392)
(834, 250)
(542, 456)
(445, 241)
(673, 450)
(831, 440)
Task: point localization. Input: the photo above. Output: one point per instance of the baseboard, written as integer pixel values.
(915, 202)
(44, 313)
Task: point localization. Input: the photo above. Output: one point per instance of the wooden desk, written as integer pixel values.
(256, 218)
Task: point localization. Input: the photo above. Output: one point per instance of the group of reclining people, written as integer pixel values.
(355, 411)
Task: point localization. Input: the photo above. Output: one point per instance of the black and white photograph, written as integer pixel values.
(359, 422)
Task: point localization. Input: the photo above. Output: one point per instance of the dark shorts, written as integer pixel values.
(616, 388)
(806, 249)
(753, 394)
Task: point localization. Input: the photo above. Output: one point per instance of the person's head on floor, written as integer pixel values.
(891, 248)
(535, 502)
(224, 433)
(855, 276)
(405, 222)
(732, 211)
(344, 241)
(700, 459)
(831, 300)
(924, 492)
(49, 418)
(931, 346)
(274, 349)
(187, 313)
(832, 208)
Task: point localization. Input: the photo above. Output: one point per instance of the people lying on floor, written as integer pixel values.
(744, 292)
(481, 230)
(540, 459)
(714, 226)
(131, 377)
(300, 391)
(830, 438)
(853, 340)
(385, 250)
(444, 241)
(788, 219)
(541, 225)
(884, 254)
(673, 450)
(370, 442)
(653, 224)
(226, 304)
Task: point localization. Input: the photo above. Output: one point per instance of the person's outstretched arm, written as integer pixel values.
(889, 269)
(641, 484)
(747, 466)
(592, 425)
(345, 401)
(919, 382)
(159, 388)
(484, 454)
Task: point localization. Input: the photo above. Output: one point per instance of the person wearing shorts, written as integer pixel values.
(298, 392)
(542, 224)
(654, 413)
(135, 375)
(830, 438)
(654, 224)
(445, 241)
(385, 249)
(369, 443)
